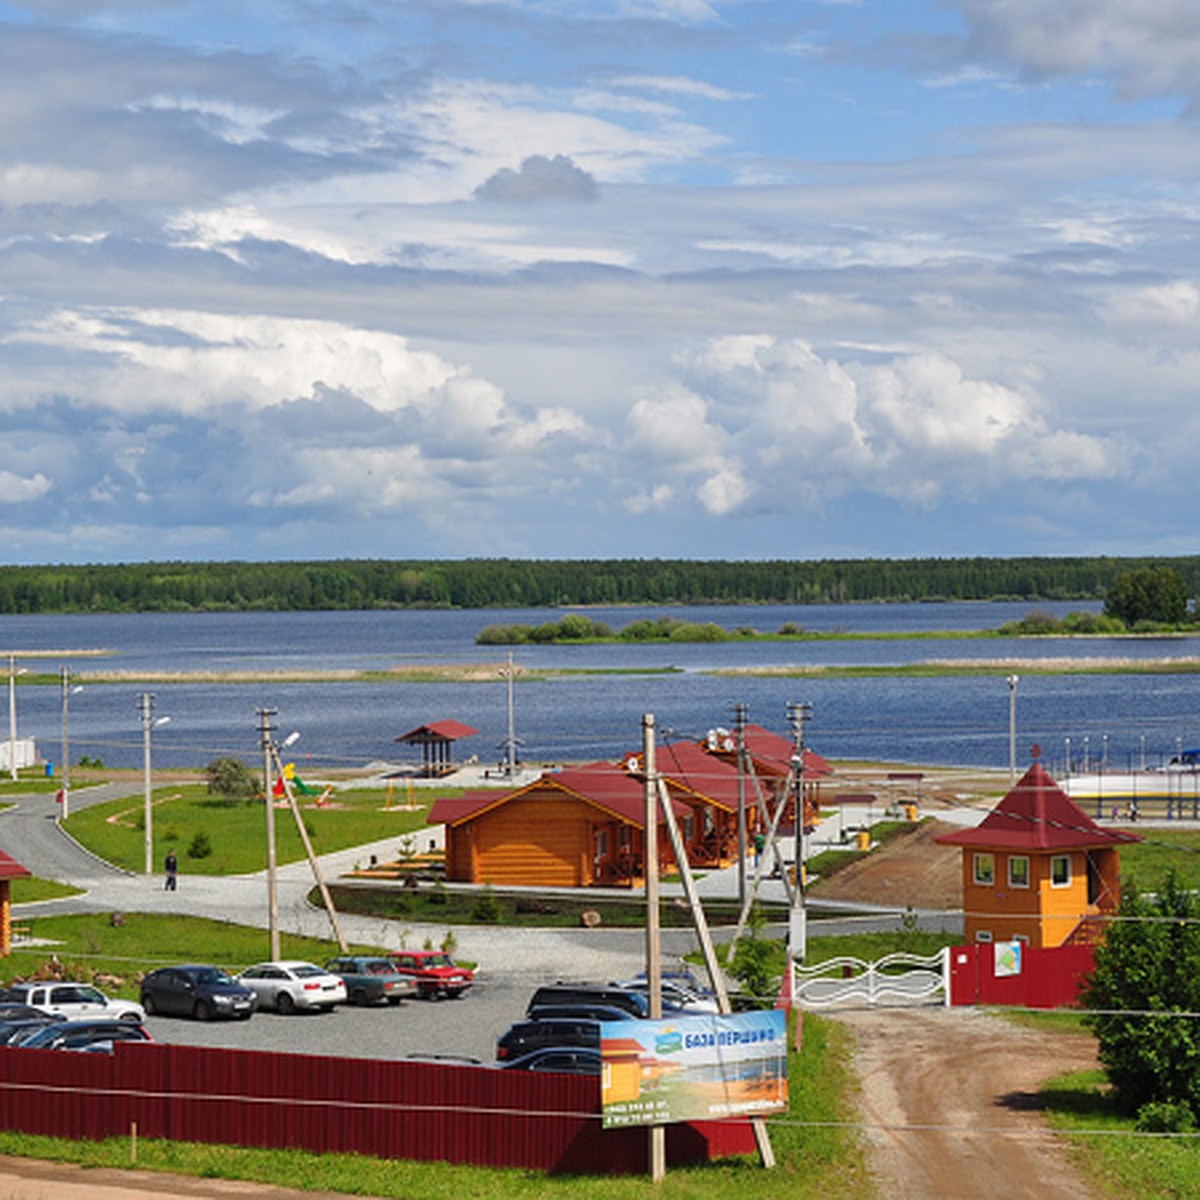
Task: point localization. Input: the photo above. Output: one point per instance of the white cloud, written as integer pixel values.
(20, 489)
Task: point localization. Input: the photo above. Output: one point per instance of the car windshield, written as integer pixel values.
(211, 975)
(89, 994)
(438, 960)
(306, 970)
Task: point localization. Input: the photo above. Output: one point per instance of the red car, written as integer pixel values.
(434, 972)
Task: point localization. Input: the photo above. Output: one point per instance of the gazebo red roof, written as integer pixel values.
(1037, 815)
(437, 731)
(11, 869)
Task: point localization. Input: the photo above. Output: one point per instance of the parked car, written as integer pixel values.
(12, 1031)
(676, 997)
(572, 995)
(577, 1012)
(434, 972)
(567, 1060)
(77, 1035)
(371, 980)
(524, 1037)
(196, 990)
(75, 1001)
(11, 1011)
(287, 986)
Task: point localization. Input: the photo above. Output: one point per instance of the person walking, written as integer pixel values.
(172, 869)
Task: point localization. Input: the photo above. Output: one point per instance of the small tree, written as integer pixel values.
(1147, 975)
(228, 778)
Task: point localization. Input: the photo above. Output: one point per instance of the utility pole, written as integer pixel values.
(798, 917)
(658, 1133)
(739, 725)
(266, 729)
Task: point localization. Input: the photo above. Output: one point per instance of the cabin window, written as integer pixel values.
(1060, 870)
(689, 828)
(624, 838)
(983, 935)
(1018, 870)
(985, 870)
(601, 844)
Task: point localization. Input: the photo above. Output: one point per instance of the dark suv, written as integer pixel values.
(589, 995)
(526, 1036)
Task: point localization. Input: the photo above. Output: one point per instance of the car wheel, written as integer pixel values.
(244, 1016)
(394, 1000)
(427, 992)
(284, 1003)
(358, 996)
(202, 1011)
(130, 1016)
(149, 1005)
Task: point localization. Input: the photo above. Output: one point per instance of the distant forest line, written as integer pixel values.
(515, 583)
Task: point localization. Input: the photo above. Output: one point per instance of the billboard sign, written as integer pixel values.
(693, 1068)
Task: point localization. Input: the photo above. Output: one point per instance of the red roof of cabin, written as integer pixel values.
(438, 731)
(11, 869)
(1037, 815)
(693, 768)
(774, 752)
(600, 784)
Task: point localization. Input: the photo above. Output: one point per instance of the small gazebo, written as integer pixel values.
(437, 742)
(10, 869)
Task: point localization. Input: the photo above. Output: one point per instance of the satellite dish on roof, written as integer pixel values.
(633, 764)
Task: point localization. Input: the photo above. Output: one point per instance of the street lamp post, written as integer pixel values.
(149, 722)
(12, 714)
(1012, 728)
(67, 692)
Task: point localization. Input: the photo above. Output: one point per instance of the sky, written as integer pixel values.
(733, 279)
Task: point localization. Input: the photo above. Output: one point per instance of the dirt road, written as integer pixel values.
(949, 1097)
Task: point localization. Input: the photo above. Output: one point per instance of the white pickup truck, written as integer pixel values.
(74, 1001)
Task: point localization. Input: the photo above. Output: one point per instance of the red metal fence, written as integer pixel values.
(1049, 978)
(388, 1109)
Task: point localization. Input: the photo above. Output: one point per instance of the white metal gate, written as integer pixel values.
(895, 979)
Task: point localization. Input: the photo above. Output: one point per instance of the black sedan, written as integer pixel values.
(564, 1060)
(83, 1035)
(196, 990)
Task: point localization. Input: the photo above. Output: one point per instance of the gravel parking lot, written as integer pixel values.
(467, 1027)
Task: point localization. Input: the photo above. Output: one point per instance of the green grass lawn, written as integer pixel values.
(27, 891)
(235, 830)
(88, 943)
(1147, 863)
(1107, 1150)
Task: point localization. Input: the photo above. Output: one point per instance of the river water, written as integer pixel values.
(1119, 718)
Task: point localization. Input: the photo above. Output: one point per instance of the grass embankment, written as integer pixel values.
(1107, 1149)
(214, 836)
(441, 905)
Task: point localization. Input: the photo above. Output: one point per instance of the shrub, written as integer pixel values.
(200, 847)
(1164, 1117)
(487, 908)
(227, 777)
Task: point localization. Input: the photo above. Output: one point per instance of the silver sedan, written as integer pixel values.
(291, 985)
